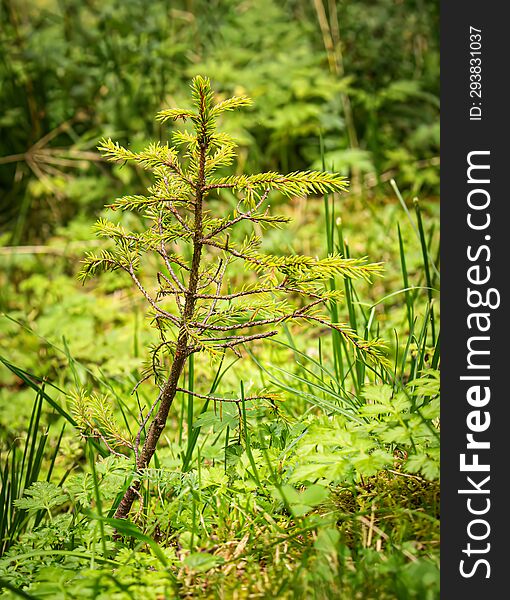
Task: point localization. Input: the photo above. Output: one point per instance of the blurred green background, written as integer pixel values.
(363, 75)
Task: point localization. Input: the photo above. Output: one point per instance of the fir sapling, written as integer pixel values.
(192, 301)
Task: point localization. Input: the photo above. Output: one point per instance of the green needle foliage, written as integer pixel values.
(190, 233)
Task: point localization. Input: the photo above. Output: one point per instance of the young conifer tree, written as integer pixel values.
(188, 228)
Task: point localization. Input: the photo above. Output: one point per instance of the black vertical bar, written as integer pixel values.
(475, 520)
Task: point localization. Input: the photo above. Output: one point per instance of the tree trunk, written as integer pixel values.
(181, 349)
(156, 428)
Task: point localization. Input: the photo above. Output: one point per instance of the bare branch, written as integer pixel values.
(166, 258)
(221, 275)
(173, 291)
(239, 218)
(236, 340)
(150, 300)
(217, 186)
(172, 258)
(179, 172)
(139, 383)
(218, 399)
(141, 428)
(232, 251)
(210, 278)
(96, 434)
(176, 214)
(237, 294)
(279, 288)
(299, 313)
